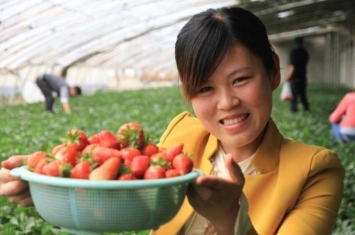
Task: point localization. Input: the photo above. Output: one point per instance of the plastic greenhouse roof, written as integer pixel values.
(139, 33)
(106, 33)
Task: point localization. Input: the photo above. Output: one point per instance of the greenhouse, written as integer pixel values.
(118, 44)
(176, 128)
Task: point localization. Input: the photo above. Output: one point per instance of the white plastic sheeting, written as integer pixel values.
(107, 33)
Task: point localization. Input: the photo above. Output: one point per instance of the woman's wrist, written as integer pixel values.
(226, 225)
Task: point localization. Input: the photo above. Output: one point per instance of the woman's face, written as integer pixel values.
(235, 103)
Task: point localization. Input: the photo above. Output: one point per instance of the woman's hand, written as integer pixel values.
(217, 199)
(15, 189)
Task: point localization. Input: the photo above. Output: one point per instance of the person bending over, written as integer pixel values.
(53, 86)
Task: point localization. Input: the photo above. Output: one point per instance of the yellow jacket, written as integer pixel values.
(298, 190)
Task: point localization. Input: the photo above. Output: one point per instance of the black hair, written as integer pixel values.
(78, 90)
(206, 38)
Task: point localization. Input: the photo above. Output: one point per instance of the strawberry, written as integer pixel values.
(159, 159)
(170, 153)
(183, 164)
(154, 172)
(170, 173)
(68, 154)
(107, 171)
(88, 149)
(128, 154)
(108, 139)
(55, 150)
(100, 154)
(57, 168)
(150, 149)
(33, 159)
(94, 139)
(81, 170)
(39, 167)
(126, 176)
(131, 134)
(76, 138)
(139, 165)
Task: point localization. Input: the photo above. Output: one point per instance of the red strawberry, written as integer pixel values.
(88, 149)
(39, 167)
(150, 149)
(154, 172)
(57, 168)
(170, 173)
(68, 154)
(100, 154)
(55, 150)
(128, 154)
(183, 164)
(94, 139)
(34, 158)
(170, 153)
(76, 138)
(108, 139)
(81, 170)
(139, 165)
(126, 176)
(107, 171)
(131, 134)
(159, 159)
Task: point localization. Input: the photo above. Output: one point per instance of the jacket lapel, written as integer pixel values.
(266, 158)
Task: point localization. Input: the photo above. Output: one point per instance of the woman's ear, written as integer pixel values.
(275, 73)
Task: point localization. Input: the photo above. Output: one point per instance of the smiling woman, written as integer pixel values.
(229, 71)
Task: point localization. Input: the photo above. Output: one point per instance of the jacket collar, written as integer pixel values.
(210, 149)
(266, 157)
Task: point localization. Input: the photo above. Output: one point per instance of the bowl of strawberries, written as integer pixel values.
(108, 182)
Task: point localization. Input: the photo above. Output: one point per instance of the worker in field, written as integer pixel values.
(52, 87)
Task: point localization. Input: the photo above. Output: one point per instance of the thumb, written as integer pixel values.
(13, 162)
(235, 173)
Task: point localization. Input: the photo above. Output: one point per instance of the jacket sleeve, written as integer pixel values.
(317, 206)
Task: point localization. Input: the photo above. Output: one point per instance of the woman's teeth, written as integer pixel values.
(234, 120)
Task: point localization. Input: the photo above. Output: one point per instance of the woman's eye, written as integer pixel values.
(205, 89)
(239, 80)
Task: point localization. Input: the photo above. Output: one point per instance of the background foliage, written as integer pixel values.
(27, 128)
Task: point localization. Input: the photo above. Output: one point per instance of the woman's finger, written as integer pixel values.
(235, 173)
(13, 162)
(14, 187)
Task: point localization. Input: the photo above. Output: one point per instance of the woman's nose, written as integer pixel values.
(227, 100)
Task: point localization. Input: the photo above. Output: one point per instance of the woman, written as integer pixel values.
(228, 71)
(256, 182)
(343, 119)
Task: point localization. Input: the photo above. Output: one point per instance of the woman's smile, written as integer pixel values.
(232, 121)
